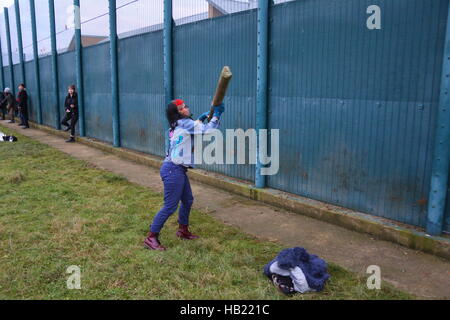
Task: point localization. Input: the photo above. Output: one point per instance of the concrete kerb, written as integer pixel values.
(352, 220)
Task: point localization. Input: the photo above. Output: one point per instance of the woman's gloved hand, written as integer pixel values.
(218, 110)
(203, 116)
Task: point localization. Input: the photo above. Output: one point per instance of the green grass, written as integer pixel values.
(56, 211)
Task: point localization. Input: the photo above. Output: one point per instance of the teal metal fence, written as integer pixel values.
(361, 132)
(141, 93)
(357, 104)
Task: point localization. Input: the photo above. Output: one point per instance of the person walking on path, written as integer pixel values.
(71, 108)
(179, 158)
(22, 104)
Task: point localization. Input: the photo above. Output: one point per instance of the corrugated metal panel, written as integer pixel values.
(31, 90)
(47, 96)
(97, 92)
(7, 74)
(201, 49)
(141, 93)
(17, 77)
(356, 107)
(66, 77)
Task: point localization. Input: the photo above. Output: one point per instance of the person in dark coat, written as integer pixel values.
(71, 108)
(3, 105)
(22, 104)
(9, 104)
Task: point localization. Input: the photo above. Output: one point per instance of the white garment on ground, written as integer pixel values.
(299, 280)
(296, 274)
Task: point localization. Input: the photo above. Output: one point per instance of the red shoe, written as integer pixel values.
(152, 242)
(183, 232)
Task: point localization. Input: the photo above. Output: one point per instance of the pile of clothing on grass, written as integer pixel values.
(295, 270)
(4, 138)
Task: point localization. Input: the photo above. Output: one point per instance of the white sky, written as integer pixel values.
(138, 14)
(6, 3)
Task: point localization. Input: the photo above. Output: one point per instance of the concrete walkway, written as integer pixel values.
(418, 273)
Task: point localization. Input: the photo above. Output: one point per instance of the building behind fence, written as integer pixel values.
(359, 109)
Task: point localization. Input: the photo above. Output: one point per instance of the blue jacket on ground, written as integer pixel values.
(314, 268)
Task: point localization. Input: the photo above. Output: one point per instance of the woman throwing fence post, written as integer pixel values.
(179, 158)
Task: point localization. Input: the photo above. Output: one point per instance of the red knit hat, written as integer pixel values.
(178, 102)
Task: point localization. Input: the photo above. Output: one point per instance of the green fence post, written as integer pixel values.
(262, 84)
(441, 153)
(19, 39)
(8, 40)
(114, 72)
(36, 61)
(79, 66)
(168, 57)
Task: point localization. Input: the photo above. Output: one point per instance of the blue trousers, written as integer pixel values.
(176, 188)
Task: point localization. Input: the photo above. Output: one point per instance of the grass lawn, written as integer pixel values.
(57, 211)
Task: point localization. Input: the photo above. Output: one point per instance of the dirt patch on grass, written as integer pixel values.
(16, 178)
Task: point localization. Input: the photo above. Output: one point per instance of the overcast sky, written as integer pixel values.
(134, 15)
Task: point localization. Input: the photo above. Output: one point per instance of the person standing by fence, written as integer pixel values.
(179, 158)
(3, 105)
(22, 103)
(8, 103)
(71, 108)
